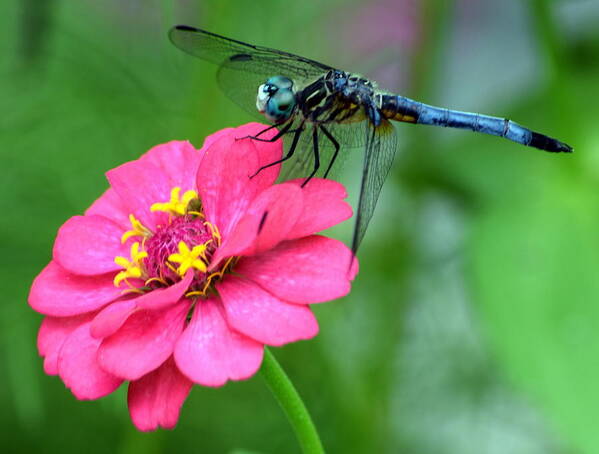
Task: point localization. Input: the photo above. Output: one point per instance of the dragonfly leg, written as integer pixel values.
(335, 144)
(316, 156)
(284, 130)
(257, 135)
(298, 133)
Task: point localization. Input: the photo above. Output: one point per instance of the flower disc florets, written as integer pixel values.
(185, 243)
(183, 234)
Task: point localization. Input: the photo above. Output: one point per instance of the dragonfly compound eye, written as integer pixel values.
(280, 82)
(276, 99)
(280, 106)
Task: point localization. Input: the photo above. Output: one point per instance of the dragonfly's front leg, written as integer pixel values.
(260, 133)
(298, 133)
(284, 130)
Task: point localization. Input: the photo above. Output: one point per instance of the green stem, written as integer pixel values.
(292, 404)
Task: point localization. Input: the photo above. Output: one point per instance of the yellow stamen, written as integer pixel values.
(210, 278)
(176, 205)
(138, 230)
(195, 293)
(133, 267)
(214, 231)
(189, 258)
(132, 290)
(171, 267)
(156, 279)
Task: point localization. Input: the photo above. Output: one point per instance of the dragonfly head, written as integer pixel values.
(276, 99)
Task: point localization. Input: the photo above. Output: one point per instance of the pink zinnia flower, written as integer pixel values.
(184, 269)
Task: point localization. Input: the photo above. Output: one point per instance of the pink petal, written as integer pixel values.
(209, 140)
(267, 222)
(140, 184)
(210, 353)
(263, 317)
(111, 206)
(87, 245)
(160, 298)
(273, 213)
(234, 244)
(144, 341)
(268, 152)
(224, 182)
(324, 207)
(78, 368)
(156, 398)
(52, 334)
(178, 160)
(60, 293)
(112, 317)
(313, 269)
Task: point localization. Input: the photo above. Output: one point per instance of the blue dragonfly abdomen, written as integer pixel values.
(400, 108)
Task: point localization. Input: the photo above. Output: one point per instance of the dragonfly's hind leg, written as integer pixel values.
(335, 144)
(298, 133)
(316, 156)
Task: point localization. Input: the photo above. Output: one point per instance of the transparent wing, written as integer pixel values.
(301, 164)
(244, 67)
(217, 49)
(378, 158)
(349, 136)
(241, 86)
(379, 150)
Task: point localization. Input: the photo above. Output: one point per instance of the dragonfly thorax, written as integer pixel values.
(276, 99)
(338, 97)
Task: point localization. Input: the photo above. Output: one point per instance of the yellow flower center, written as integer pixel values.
(165, 255)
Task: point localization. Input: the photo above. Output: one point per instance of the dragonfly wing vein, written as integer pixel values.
(378, 158)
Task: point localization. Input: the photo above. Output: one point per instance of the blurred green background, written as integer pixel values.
(471, 327)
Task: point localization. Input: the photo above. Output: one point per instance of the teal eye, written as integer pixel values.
(280, 82)
(276, 99)
(281, 105)
(285, 99)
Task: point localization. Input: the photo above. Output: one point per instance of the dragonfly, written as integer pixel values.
(320, 110)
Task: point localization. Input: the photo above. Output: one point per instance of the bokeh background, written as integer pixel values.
(472, 326)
